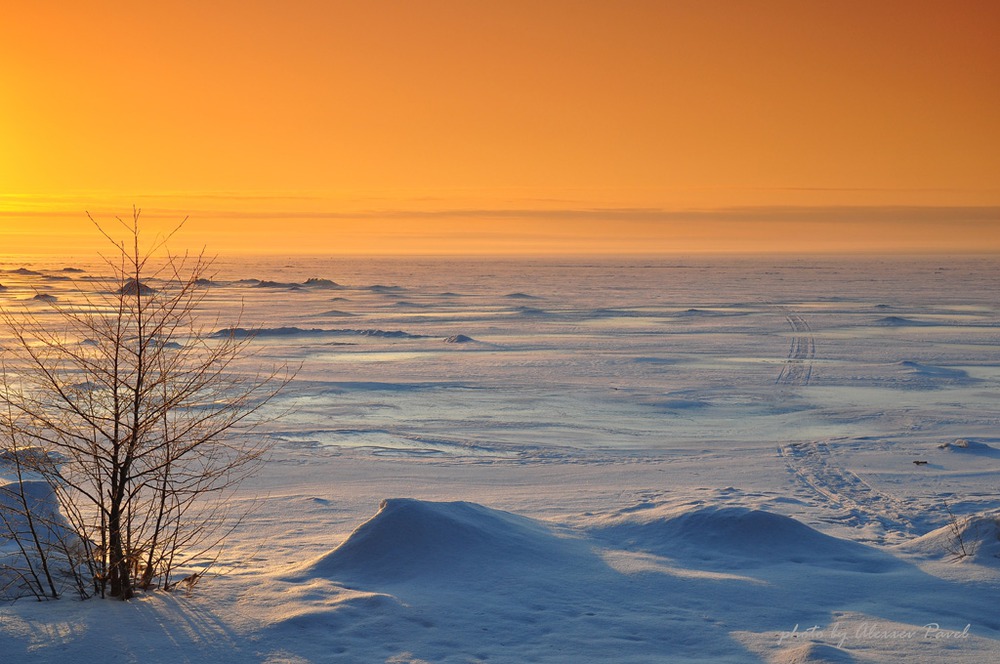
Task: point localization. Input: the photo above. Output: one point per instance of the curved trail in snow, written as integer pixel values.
(797, 369)
(815, 466)
(857, 503)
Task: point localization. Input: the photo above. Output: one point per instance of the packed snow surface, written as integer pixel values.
(763, 459)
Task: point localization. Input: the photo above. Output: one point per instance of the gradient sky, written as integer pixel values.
(504, 126)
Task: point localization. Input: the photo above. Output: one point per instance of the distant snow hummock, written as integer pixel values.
(316, 282)
(458, 339)
(241, 332)
(700, 312)
(968, 446)
(276, 284)
(134, 287)
(899, 321)
(930, 372)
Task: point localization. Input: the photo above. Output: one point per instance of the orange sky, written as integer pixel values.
(494, 127)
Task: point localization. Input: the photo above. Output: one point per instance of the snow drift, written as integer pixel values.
(734, 537)
(21, 537)
(974, 538)
(413, 540)
(42, 504)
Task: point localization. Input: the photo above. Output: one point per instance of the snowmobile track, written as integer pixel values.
(797, 369)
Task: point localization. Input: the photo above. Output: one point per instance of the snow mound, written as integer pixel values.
(699, 313)
(520, 296)
(679, 404)
(316, 282)
(931, 371)
(968, 446)
(974, 538)
(930, 376)
(276, 284)
(47, 522)
(411, 539)
(133, 287)
(458, 339)
(45, 297)
(42, 504)
(813, 653)
(241, 332)
(614, 313)
(899, 321)
(735, 537)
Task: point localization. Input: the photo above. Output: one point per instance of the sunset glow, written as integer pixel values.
(507, 127)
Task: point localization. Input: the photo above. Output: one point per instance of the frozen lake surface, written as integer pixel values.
(603, 396)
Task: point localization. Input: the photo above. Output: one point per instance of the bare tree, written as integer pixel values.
(142, 416)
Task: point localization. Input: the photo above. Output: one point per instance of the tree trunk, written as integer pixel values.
(119, 573)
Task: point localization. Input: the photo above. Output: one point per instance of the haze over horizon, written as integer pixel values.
(505, 128)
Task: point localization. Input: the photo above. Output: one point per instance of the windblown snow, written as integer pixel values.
(782, 460)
